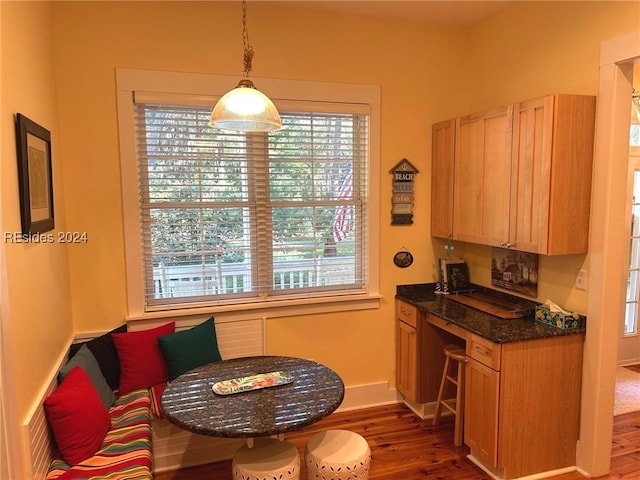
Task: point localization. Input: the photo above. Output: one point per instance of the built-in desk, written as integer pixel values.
(522, 380)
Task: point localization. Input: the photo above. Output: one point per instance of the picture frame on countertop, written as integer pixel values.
(35, 176)
(457, 276)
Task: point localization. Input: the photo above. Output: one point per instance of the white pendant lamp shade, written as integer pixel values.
(245, 109)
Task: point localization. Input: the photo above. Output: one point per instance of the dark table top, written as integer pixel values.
(190, 403)
(487, 326)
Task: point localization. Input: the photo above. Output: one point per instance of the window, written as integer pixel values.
(633, 280)
(634, 135)
(232, 218)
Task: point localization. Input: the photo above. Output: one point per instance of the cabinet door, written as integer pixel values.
(481, 411)
(406, 360)
(531, 175)
(571, 170)
(442, 163)
(551, 174)
(482, 177)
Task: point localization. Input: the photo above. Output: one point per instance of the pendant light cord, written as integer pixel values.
(248, 49)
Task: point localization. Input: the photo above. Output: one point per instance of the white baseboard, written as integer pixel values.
(175, 448)
(369, 395)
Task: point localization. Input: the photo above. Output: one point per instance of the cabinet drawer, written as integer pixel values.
(407, 313)
(447, 326)
(484, 351)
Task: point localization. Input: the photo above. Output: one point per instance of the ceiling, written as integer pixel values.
(452, 12)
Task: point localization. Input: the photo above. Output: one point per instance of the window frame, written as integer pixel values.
(197, 88)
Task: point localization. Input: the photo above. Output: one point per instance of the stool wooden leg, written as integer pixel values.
(457, 439)
(438, 411)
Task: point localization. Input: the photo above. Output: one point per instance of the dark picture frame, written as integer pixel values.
(403, 259)
(35, 175)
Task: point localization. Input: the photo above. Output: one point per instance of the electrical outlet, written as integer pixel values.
(581, 280)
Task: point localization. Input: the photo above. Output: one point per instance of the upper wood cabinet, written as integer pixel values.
(443, 144)
(521, 176)
(551, 174)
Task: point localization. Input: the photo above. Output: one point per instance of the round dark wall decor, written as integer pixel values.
(403, 259)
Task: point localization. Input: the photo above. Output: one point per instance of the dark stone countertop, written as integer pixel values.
(487, 326)
(190, 403)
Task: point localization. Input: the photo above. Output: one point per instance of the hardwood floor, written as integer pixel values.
(403, 447)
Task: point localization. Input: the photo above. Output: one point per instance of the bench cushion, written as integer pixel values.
(126, 450)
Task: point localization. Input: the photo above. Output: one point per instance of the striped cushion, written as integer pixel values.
(156, 394)
(126, 450)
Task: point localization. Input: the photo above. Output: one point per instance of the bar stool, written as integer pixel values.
(456, 354)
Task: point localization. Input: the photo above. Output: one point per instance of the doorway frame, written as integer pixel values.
(607, 253)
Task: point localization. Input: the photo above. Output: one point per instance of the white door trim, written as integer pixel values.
(608, 249)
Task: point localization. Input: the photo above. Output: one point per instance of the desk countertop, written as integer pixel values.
(487, 326)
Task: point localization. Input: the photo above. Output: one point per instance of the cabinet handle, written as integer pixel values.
(482, 350)
(404, 312)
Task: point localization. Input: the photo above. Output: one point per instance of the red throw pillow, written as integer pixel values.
(78, 418)
(142, 364)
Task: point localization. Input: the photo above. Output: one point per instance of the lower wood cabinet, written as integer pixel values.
(522, 403)
(420, 339)
(522, 399)
(409, 352)
(481, 407)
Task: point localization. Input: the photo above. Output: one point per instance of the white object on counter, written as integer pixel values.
(553, 307)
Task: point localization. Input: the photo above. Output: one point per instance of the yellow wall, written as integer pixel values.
(36, 310)
(425, 73)
(58, 62)
(535, 49)
(92, 39)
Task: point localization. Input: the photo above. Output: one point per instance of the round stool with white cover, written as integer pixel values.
(268, 458)
(337, 454)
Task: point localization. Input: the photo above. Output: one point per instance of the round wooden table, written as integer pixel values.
(190, 403)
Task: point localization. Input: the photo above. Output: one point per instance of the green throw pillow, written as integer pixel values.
(188, 349)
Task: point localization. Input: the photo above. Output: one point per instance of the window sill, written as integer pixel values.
(266, 309)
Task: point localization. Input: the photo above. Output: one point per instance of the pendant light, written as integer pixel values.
(245, 108)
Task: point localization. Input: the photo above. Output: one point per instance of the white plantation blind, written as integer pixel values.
(227, 215)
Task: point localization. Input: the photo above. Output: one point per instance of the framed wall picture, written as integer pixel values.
(35, 176)
(514, 270)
